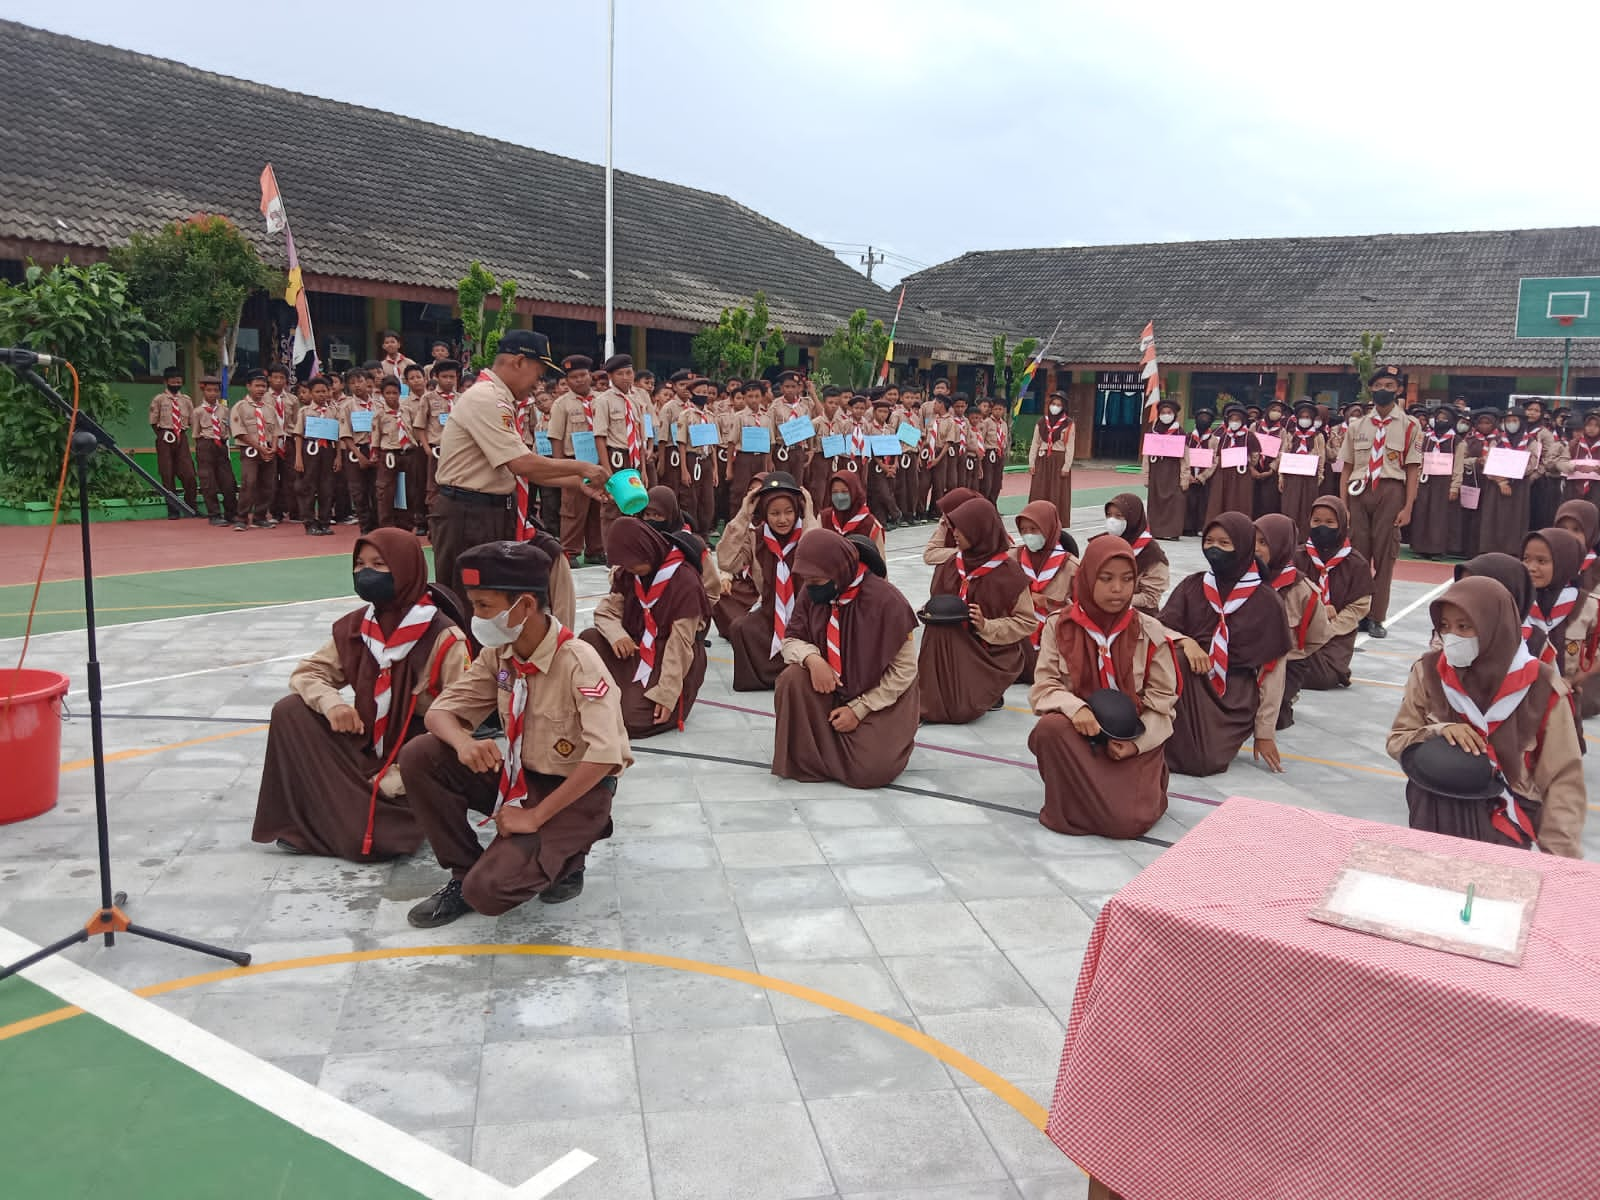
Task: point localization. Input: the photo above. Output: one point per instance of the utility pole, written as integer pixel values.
(871, 260)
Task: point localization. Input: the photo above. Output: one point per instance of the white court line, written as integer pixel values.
(379, 1145)
(1428, 598)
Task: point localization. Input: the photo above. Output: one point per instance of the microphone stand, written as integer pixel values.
(109, 919)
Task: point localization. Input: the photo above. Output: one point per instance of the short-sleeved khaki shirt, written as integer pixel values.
(1402, 446)
(481, 438)
(247, 418)
(574, 712)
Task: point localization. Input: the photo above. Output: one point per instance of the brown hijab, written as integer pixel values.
(1351, 580)
(402, 554)
(1047, 517)
(839, 522)
(995, 593)
(872, 627)
(948, 503)
(1587, 514)
(665, 500)
(1078, 650)
(1258, 631)
(1132, 509)
(1508, 572)
(1282, 538)
(1566, 558)
(763, 555)
(630, 541)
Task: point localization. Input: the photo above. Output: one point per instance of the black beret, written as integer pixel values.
(617, 362)
(577, 362)
(506, 567)
(785, 376)
(1384, 373)
(680, 375)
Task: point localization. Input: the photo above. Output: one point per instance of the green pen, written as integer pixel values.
(1466, 913)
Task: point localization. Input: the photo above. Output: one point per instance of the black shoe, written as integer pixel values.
(998, 705)
(349, 521)
(218, 521)
(594, 560)
(441, 908)
(289, 847)
(311, 529)
(1376, 629)
(563, 890)
(1363, 626)
(325, 530)
(240, 527)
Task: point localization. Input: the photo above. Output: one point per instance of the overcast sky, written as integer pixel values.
(931, 127)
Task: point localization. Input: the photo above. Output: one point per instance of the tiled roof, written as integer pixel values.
(1442, 299)
(99, 143)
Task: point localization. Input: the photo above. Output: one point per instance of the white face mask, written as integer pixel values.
(497, 630)
(1235, 424)
(1055, 410)
(1459, 651)
(1115, 526)
(1306, 422)
(1033, 541)
(1512, 426)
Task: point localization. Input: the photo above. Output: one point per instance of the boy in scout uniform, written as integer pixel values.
(620, 412)
(1382, 456)
(786, 406)
(579, 411)
(697, 467)
(882, 469)
(256, 429)
(395, 454)
(549, 787)
(418, 461)
(285, 406)
(316, 460)
(441, 398)
(170, 417)
(360, 465)
(213, 435)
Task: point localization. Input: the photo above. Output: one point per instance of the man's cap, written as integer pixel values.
(577, 362)
(1437, 766)
(527, 344)
(252, 376)
(505, 567)
(1384, 373)
(617, 362)
(1117, 713)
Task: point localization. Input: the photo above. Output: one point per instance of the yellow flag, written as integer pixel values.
(292, 292)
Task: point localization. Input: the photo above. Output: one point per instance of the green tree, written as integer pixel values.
(854, 352)
(192, 280)
(1365, 359)
(741, 345)
(87, 316)
(1009, 365)
(481, 327)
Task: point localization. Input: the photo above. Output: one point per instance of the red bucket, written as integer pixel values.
(30, 742)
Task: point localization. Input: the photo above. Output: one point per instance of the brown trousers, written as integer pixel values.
(362, 485)
(316, 484)
(259, 478)
(580, 524)
(512, 869)
(881, 491)
(284, 490)
(697, 497)
(408, 465)
(175, 464)
(218, 489)
(1374, 533)
(455, 527)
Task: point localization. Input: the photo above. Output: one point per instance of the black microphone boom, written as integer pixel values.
(18, 357)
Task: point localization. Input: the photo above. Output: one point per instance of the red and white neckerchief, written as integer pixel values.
(1039, 580)
(1588, 561)
(588, 410)
(177, 416)
(1516, 443)
(858, 441)
(402, 429)
(783, 581)
(1102, 640)
(1559, 612)
(1325, 569)
(1140, 542)
(845, 528)
(449, 399)
(647, 600)
(277, 404)
(394, 364)
(835, 648)
(1285, 578)
(961, 434)
(513, 786)
(1054, 431)
(386, 651)
(1241, 592)
(1440, 443)
(1509, 817)
(967, 577)
(631, 424)
(1305, 440)
(218, 434)
(261, 426)
(1380, 434)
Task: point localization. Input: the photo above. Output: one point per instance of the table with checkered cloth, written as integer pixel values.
(1224, 1046)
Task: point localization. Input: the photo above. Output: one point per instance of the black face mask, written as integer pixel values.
(1325, 538)
(1202, 424)
(375, 587)
(174, 387)
(700, 401)
(1385, 399)
(661, 526)
(1218, 558)
(822, 593)
(1444, 424)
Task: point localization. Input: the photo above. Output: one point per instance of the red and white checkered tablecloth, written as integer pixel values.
(1224, 1046)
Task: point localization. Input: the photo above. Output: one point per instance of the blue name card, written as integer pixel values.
(796, 429)
(361, 420)
(833, 445)
(541, 443)
(704, 434)
(324, 429)
(756, 440)
(908, 433)
(649, 427)
(884, 445)
(444, 418)
(672, 432)
(583, 447)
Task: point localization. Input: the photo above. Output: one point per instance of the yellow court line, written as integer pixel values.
(951, 1057)
(81, 764)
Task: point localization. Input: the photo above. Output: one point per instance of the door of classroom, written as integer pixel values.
(1116, 423)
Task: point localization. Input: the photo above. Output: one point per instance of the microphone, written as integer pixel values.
(19, 357)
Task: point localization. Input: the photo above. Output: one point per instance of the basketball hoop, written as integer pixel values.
(1564, 321)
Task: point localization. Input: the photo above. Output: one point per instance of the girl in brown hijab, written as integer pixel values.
(1125, 519)
(941, 545)
(664, 516)
(1582, 519)
(1233, 680)
(1483, 691)
(329, 784)
(1164, 478)
(1050, 456)
(847, 512)
(965, 669)
(647, 629)
(1343, 579)
(1277, 539)
(1049, 566)
(847, 702)
(1554, 559)
(760, 542)
(1094, 785)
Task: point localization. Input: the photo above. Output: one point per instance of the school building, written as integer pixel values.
(1275, 317)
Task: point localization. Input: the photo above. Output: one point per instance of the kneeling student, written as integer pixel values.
(847, 703)
(1104, 689)
(1276, 537)
(549, 792)
(329, 784)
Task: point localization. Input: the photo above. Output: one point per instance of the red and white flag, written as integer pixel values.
(1149, 369)
(272, 202)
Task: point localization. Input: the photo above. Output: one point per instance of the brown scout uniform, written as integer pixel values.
(580, 530)
(317, 459)
(174, 463)
(259, 474)
(212, 432)
(476, 487)
(1373, 512)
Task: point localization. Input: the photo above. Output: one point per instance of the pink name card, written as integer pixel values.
(1469, 497)
(1585, 469)
(1338, 466)
(1270, 446)
(1235, 456)
(1164, 445)
(1437, 462)
(1201, 458)
(1298, 464)
(1505, 463)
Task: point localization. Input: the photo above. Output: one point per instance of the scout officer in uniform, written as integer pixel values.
(697, 466)
(1382, 457)
(316, 460)
(170, 417)
(255, 425)
(212, 434)
(549, 790)
(579, 412)
(357, 439)
(481, 457)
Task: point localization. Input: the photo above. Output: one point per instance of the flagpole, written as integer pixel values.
(611, 54)
(888, 353)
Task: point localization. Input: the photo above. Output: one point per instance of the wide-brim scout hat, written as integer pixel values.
(943, 610)
(779, 482)
(528, 344)
(1306, 406)
(867, 550)
(1437, 766)
(1117, 713)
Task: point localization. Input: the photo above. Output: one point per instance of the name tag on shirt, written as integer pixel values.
(755, 440)
(324, 428)
(541, 443)
(444, 418)
(361, 420)
(833, 445)
(704, 433)
(798, 429)
(583, 447)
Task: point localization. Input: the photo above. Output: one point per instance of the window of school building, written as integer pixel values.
(1335, 390)
(1252, 387)
(1118, 407)
(1483, 391)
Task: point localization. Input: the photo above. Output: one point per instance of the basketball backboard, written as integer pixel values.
(1562, 307)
